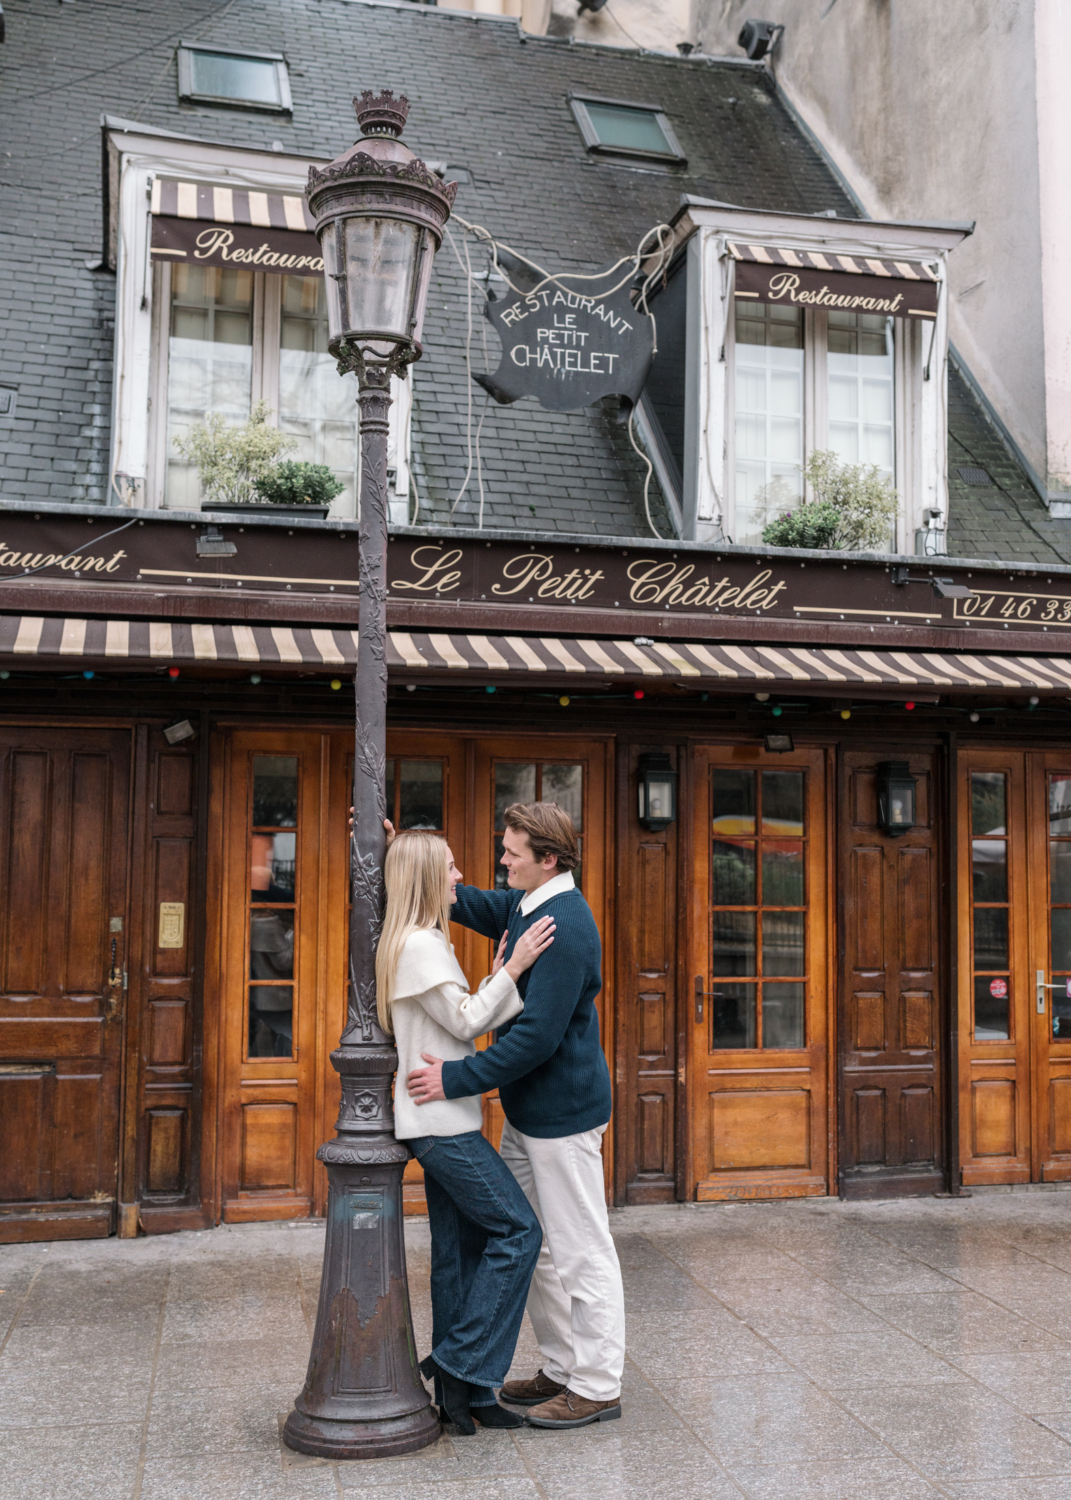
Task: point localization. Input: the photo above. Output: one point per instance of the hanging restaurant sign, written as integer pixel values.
(198, 224)
(845, 283)
(567, 344)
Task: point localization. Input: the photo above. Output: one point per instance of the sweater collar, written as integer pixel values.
(531, 899)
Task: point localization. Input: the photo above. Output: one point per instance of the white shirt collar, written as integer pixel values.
(531, 899)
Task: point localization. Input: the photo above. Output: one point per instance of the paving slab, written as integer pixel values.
(779, 1351)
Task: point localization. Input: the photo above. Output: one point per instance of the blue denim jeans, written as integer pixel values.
(485, 1241)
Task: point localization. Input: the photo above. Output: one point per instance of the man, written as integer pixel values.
(552, 1078)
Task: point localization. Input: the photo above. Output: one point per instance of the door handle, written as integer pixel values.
(700, 995)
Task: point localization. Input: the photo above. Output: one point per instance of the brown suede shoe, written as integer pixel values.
(570, 1410)
(532, 1392)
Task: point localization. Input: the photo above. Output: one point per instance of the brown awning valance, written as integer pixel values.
(849, 283)
(413, 655)
(199, 224)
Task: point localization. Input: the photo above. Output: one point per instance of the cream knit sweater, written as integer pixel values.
(433, 1012)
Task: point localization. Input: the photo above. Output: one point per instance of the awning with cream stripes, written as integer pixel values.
(26, 640)
(827, 279)
(196, 223)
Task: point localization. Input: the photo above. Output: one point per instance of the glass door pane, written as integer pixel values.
(990, 907)
(536, 781)
(758, 909)
(273, 845)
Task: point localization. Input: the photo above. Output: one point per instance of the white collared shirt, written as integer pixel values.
(553, 887)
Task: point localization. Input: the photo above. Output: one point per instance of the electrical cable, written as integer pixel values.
(662, 254)
(467, 271)
(54, 562)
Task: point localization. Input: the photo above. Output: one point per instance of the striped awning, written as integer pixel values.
(412, 655)
(230, 205)
(194, 223)
(847, 283)
(855, 265)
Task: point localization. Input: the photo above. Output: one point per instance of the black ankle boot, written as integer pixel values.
(454, 1404)
(496, 1416)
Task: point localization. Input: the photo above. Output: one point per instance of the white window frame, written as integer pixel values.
(139, 400)
(921, 406)
(188, 94)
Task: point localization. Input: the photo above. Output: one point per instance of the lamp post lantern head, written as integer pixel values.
(380, 213)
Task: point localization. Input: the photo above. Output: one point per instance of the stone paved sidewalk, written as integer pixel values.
(796, 1351)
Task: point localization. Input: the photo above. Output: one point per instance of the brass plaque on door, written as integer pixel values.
(172, 924)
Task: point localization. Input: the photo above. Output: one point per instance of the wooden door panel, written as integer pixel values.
(995, 1117)
(758, 1106)
(891, 1139)
(758, 1129)
(63, 852)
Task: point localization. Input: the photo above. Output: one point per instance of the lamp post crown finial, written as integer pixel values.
(381, 114)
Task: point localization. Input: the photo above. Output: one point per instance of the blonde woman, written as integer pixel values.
(485, 1237)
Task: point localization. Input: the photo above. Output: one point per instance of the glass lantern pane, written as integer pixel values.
(381, 263)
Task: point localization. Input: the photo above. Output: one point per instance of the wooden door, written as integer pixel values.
(1015, 966)
(891, 1137)
(758, 1072)
(274, 970)
(575, 774)
(1049, 853)
(63, 844)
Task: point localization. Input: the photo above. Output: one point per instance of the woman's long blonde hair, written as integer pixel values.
(417, 880)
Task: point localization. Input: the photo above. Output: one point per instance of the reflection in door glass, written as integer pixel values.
(1060, 805)
(513, 783)
(782, 802)
(752, 883)
(732, 801)
(544, 781)
(272, 857)
(275, 791)
(732, 1014)
(988, 796)
(992, 1001)
(564, 785)
(732, 871)
(989, 869)
(782, 1015)
(421, 798)
(990, 909)
(273, 843)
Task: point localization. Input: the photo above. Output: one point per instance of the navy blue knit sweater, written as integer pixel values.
(547, 1064)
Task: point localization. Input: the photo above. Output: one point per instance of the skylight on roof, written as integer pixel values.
(618, 128)
(243, 80)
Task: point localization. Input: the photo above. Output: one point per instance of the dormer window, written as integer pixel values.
(235, 79)
(615, 127)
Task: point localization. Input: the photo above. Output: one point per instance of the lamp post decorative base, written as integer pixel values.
(363, 1395)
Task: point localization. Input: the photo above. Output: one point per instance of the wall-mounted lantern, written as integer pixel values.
(896, 797)
(657, 791)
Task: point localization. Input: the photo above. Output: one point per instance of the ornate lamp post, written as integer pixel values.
(379, 218)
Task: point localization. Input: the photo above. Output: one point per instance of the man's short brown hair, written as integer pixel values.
(550, 831)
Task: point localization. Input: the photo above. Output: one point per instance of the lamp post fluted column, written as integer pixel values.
(379, 214)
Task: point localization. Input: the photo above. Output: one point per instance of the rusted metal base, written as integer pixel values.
(342, 1440)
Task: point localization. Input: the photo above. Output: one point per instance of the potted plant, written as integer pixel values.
(239, 469)
(304, 488)
(853, 508)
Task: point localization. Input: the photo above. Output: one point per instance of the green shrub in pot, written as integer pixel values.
(293, 483)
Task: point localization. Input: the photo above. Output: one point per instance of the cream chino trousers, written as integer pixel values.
(576, 1302)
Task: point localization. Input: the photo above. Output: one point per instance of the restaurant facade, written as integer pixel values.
(824, 797)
